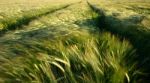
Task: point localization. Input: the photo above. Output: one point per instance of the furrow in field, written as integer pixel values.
(126, 27)
(27, 18)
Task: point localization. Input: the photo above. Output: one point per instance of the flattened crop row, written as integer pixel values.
(14, 23)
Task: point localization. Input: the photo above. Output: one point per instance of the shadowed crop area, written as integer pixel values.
(74, 41)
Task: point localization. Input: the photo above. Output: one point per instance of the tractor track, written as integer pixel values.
(139, 36)
(25, 21)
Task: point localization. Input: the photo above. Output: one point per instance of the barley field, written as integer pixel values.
(74, 41)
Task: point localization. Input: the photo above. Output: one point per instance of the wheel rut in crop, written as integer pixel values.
(24, 21)
(138, 35)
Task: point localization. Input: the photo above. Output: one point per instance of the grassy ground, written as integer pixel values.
(67, 46)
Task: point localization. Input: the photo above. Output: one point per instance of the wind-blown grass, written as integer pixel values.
(67, 48)
(74, 59)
